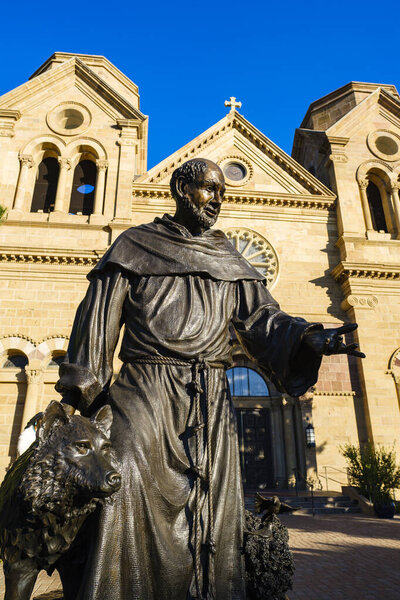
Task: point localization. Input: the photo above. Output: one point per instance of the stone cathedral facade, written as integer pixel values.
(323, 225)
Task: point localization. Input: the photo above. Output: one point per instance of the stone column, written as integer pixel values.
(298, 422)
(394, 191)
(34, 378)
(278, 445)
(65, 165)
(290, 441)
(363, 184)
(100, 186)
(27, 163)
(128, 143)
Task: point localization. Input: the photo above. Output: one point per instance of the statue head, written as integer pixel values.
(198, 187)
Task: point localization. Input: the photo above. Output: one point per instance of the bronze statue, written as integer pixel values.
(50, 490)
(175, 529)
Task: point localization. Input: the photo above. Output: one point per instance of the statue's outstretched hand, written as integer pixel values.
(330, 341)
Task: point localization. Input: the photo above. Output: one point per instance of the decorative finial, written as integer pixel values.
(233, 104)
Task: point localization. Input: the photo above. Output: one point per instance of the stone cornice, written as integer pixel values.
(333, 393)
(346, 270)
(8, 118)
(49, 257)
(13, 115)
(243, 197)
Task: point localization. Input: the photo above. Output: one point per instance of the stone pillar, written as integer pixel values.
(27, 163)
(65, 165)
(278, 445)
(100, 186)
(300, 438)
(290, 440)
(128, 143)
(394, 191)
(363, 184)
(34, 378)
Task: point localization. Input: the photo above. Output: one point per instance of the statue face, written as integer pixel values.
(205, 195)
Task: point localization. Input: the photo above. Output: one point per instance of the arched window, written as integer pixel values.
(376, 207)
(56, 360)
(82, 194)
(15, 361)
(245, 382)
(44, 194)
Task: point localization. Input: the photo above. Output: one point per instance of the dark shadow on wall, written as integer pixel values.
(17, 419)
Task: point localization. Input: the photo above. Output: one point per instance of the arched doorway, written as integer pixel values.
(251, 397)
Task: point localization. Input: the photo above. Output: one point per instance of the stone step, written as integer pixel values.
(339, 510)
(322, 504)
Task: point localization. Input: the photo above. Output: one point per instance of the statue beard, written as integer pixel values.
(198, 215)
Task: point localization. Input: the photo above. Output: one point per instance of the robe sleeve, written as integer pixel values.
(274, 339)
(87, 374)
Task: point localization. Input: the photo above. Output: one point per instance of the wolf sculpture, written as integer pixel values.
(50, 490)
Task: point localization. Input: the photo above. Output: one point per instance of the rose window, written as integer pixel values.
(256, 250)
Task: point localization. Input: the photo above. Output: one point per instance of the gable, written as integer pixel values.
(232, 139)
(61, 79)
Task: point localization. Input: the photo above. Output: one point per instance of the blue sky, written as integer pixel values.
(188, 57)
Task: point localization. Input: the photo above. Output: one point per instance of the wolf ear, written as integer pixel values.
(53, 416)
(103, 419)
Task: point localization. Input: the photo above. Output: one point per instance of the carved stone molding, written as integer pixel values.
(345, 271)
(26, 160)
(47, 258)
(8, 119)
(124, 141)
(338, 157)
(363, 183)
(359, 301)
(64, 163)
(21, 336)
(333, 393)
(245, 198)
(101, 165)
(34, 375)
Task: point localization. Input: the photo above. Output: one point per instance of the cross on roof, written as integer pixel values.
(233, 104)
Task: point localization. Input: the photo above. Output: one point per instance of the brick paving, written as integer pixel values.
(338, 557)
(344, 557)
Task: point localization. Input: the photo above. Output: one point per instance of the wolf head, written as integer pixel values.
(73, 466)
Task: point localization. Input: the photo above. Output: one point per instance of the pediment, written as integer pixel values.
(234, 138)
(73, 72)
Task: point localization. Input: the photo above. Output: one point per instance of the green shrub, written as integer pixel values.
(2, 212)
(373, 470)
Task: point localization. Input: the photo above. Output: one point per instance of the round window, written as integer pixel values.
(384, 144)
(69, 118)
(235, 171)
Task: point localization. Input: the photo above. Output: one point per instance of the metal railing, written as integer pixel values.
(341, 481)
(298, 475)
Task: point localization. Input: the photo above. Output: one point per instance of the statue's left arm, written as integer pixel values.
(288, 349)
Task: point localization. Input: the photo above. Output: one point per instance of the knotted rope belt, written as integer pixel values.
(198, 366)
